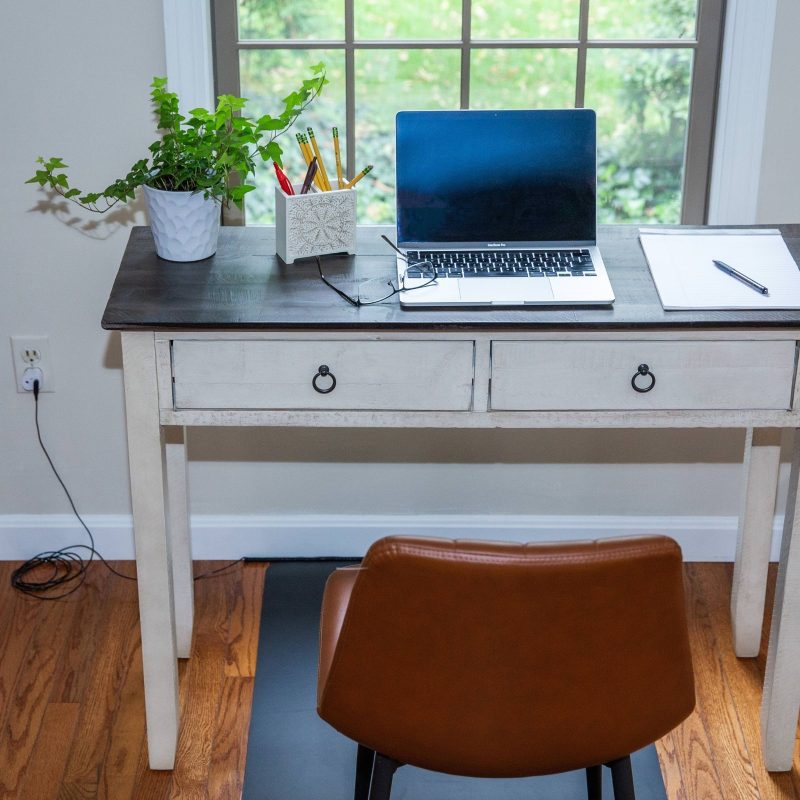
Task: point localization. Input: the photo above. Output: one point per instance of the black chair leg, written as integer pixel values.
(622, 777)
(382, 774)
(365, 758)
(594, 782)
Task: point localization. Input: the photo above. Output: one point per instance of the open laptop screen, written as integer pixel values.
(475, 177)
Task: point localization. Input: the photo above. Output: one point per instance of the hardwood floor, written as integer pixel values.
(71, 693)
(71, 707)
(716, 753)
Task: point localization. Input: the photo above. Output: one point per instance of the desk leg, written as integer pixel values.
(762, 450)
(156, 612)
(781, 699)
(180, 541)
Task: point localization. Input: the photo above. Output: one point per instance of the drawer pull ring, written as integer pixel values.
(643, 370)
(324, 371)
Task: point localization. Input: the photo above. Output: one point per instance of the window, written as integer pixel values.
(649, 68)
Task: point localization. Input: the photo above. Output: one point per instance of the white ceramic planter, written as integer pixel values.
(185, 225)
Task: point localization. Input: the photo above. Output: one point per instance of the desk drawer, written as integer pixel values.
(362, 375)
(597, 375)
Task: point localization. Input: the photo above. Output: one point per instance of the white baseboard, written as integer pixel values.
(703, 538)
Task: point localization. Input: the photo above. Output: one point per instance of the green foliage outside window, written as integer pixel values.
(641, 95)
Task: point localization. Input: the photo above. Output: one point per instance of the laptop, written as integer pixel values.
(502, 204)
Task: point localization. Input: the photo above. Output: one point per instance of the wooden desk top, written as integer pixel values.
(245, 286)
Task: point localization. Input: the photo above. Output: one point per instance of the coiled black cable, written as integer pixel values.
(55, 574)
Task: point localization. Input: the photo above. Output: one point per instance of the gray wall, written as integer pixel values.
(75, 78)
(75, 85)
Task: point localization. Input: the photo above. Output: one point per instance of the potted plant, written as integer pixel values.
(199, 162)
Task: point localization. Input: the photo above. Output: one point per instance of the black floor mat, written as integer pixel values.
(293, 755)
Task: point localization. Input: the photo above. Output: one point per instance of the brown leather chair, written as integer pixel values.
(503, 660)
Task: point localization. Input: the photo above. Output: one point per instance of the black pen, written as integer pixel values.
(740, 277)
(312, 171)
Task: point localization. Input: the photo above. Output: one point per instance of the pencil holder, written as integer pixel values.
(315, 224)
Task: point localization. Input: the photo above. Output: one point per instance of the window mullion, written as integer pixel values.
(349, 87)
(226, 74)
(700, 123)
(583, 37)
(466, 50)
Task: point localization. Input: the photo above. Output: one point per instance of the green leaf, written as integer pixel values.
(274, 150)
(204, 150)
(41, 177)
(238, 192)
(292, 100)
(268, 123)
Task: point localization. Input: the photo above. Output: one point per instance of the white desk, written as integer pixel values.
(239, 340)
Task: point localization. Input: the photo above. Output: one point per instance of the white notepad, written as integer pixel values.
(682, 265)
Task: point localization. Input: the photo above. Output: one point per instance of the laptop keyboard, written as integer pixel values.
(502, 263)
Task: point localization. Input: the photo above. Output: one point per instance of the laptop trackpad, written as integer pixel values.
(513, 291)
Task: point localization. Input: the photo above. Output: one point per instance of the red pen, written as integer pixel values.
(285, 183)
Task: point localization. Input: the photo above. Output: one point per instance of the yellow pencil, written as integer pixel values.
(358, 177)
(303, 151)
(338, 158)
(309, 155)
(306, 148)
(313, 140)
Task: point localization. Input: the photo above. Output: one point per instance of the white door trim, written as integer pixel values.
(189, 52)
(741, 111)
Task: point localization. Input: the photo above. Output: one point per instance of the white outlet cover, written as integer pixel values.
(41, 344)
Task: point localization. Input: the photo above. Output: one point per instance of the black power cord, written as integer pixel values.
(55, 574)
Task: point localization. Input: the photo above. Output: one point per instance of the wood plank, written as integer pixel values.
(74, 667)
(691, 746)
(745, 675)
(126, 746)
(226, 772)
(116, 642)
(717, 708)
(20, 618)
(742, 675)
(244, 622)
(30, 693)
(204, 679)
(45, 769)
(687, 761)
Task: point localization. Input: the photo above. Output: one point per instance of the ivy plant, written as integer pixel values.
(213, 152)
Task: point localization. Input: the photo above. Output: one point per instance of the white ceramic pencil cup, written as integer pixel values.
(315, 224)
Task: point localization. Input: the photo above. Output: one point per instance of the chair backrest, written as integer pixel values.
(494, 659)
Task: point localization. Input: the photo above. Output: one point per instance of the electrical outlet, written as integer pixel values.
(32, 351)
